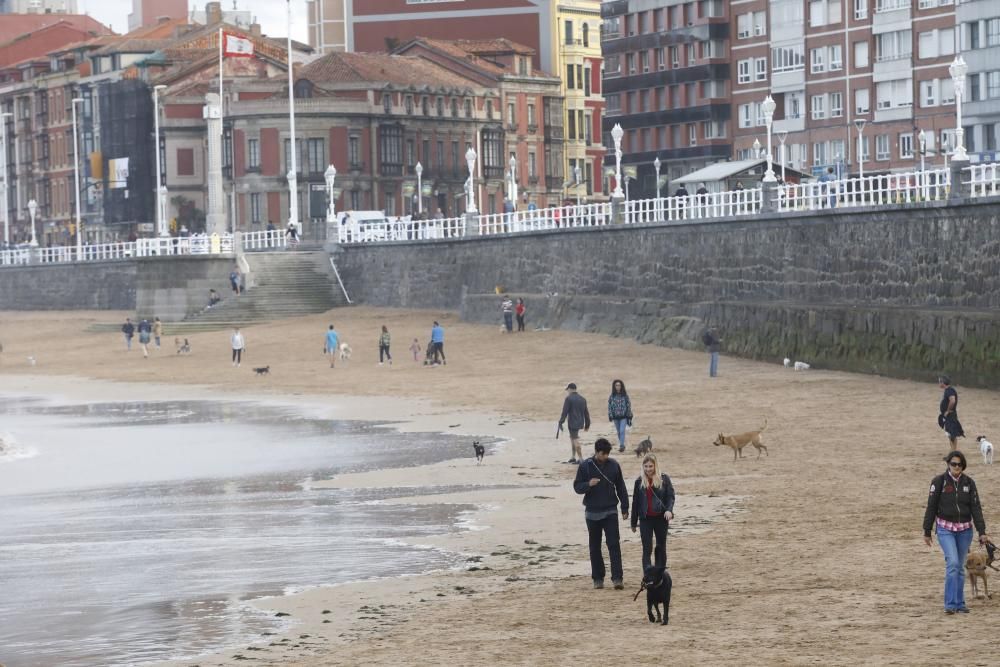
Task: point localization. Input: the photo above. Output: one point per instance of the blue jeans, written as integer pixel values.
(128, 342)
(508, 322)
(713, 364)
(620, 425)
(955, 547)
(609, 527)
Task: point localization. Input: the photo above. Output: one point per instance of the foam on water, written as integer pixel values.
(11, 450)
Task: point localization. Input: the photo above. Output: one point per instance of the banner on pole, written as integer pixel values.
(236, 46)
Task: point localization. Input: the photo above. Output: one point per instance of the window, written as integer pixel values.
(817, 59)
(571, 77)
(693, 134)
(454, 107)
(744, 25)
(786, 13)
(860, 10)
(468, 108)
(836, 58)
(837, 149)
(862, 101)
(439, 155)
(929, 96)
(387, 102)
(425, 106)
(643, 61)
(894, 94)
(571, 125)
(585, 30)
(532, 165)
(675, 61)
(588, 122)
(489, 109)
(993, 32)
(893, 45)
(613, 65)
(568, 27)
(882, 147)
(390, 150)
(890, 5)
(644, 100)
(745, 118)
(253, 154)
(819, 154)
(713, 129)
(316, 155)
(861, 54)
(836, 105)
(866, 148)
(906, 145)
(936, 43)
(355, 200)
(760, 69)
(185, 162)
(975, 89)
(787, 58)
(512, 115)
(354, 151)
(691, 57)
(993, 85)
(793, 105)
(288, 155)
(411, 157)
(818, 105)
(255, 207)
(743, 71)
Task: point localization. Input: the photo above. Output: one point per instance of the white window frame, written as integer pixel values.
(744, 25)
(817, 107)
(882, 151)
(836, 105)
(745, 118)
(866, 94)
(743, 71)
(862, 53)
(760, 69)
(860, 10)
(817, 60)
(906, 146)
(836, 58)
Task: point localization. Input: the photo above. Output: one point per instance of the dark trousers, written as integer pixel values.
(508, 321)
(649, 527)
(520, 322)
(439, 351)
(237, 356)
(609, 527)
(383, 350)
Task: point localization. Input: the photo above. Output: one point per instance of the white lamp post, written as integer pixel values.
(470, 160)
(513, 181)
(656, 166)
(330, 176)
(616, 134)
(958, 69)
(768, 108)
(32, 210)
(944, 149)
(3, 177)
(76, 175)
(756, 148)
(781, 152)
(859, 124)
(576, 180)
(293, 184)
(161, 222)
(923, 177)
(420, 193)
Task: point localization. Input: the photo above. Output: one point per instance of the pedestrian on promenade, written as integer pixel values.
(157, 331)
(415, 349)
(292, 233)
(652, 510)
(332, 344)
(577, 416)
(830, 186)
(619, 411)
(712, 344)
(437, 340)
(948, 417)
(383, 346)
(239, 344)
(234, 280)
(507, 307)
(128, 330)
(145, 329)
(599, 480)
(953, 508)
(519, 311)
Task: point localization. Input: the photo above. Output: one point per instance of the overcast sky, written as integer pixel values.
(270, 14)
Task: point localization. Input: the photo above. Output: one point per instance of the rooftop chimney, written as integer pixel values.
(213, 13)
(255, 29)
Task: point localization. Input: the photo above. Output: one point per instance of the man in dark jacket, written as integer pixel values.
(128, 330)
(575, 410)
(599, 480)
(712, 344)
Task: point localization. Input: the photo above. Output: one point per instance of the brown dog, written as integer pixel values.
(976, 564)
(741, 440)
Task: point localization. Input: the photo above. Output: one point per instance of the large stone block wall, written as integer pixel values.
(172, 288)
(904, 293)
(85, 286)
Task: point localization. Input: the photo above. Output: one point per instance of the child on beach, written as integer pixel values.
(415, 349)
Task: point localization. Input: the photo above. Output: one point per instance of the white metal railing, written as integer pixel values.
(400, 229)
(877, 190)
(584, 215)
(265, 240)
(694, 207)
(984, 179)
(15, 256)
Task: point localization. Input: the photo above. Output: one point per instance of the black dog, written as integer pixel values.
(658, 584)
(263, 370)
(480, 451)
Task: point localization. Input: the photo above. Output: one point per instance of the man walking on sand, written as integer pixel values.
(239, 344)
(437, 341)
(948, 417)
(574, 410)
(712, 344)
(332, 344)
(599, 480)
(128, 330)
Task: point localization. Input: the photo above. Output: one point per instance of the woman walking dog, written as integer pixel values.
(953, 508)
(652, 510)
(619, 411)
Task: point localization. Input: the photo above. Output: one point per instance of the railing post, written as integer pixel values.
(769, 194)
(471, 224)
(959, 188)
(618, 210)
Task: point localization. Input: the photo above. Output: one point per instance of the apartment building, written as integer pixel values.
(667, 81)
(978, 26)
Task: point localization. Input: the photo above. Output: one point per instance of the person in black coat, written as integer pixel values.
(953, 508)
(652, 510)
(948, 417)
(599, 480)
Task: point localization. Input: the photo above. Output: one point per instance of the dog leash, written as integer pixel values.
(642, 587)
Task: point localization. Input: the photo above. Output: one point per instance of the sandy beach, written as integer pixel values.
(809, 556)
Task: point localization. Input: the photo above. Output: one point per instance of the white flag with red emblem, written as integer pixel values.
(236, 46)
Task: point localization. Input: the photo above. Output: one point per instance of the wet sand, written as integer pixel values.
(812, 555)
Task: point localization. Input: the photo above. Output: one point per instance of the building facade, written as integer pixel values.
(149, 12)
(38, 6)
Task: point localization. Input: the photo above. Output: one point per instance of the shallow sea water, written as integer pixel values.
(137, 531)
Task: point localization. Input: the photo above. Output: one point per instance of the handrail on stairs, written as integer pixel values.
(339, 281)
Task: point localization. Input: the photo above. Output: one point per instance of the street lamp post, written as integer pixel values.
(616, 135)
(3, 177)
(656, 166)
(768, 107)
(420, 193)
(76, 176)
(576, 180)
(957, 70)
(32, 210)
(756, 148)
(781, 152)
(923, 176)
(293, 183)
(470, 160)
(859, 124)
(330, 176)
(513, 182)
(161, 222)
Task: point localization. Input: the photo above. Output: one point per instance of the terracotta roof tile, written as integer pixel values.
(15, 25)
(381, 68)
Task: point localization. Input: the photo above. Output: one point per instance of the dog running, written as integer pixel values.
(976, 563)
(657, 583)
(986, 449)
(263, 370)
(345, 352)
(480, 452)
(645, 447)
(739, 441)
(182, 348)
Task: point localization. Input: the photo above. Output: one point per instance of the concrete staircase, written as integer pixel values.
(282, 284)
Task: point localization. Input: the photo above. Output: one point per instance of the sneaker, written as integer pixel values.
(621, 449)
(380, 363)
(949, 611)
(619, 584)
(598, 583)
(962, 610)
(571, 461)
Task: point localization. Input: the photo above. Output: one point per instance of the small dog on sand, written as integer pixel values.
(739, 441)
(801, 366)
(645, 447)
(976, 563)
(657, 583)
(263, 370)
(480, 452)
(182, 348)
(986, 449)
(345, 352)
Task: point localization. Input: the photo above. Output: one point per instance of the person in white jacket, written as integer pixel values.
(239, 344)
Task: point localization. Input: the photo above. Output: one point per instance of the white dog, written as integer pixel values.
(986, 449)
(801, 366)
(788, 362)
(345, 352)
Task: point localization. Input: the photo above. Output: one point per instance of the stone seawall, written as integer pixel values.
(903, 293)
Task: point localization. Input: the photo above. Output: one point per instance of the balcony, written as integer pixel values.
(553, 133)
(790, 124)
(788, 81)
